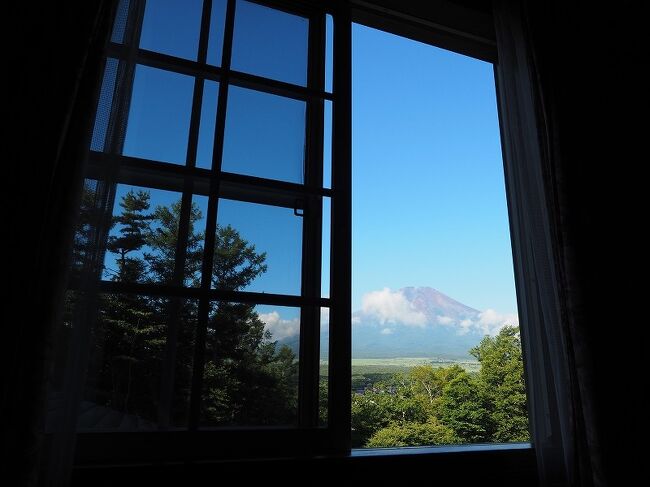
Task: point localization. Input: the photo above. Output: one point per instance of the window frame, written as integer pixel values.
(112, 167)
(308, 440)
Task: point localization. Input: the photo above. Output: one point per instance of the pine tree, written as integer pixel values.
(248, 379)
(133, 224)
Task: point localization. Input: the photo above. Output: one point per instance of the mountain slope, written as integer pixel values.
(415, 322)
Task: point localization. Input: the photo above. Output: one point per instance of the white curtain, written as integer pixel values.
(545, 337)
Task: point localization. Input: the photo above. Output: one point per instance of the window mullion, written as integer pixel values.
(309, 368)
(176, 304)
(211, 224)
(340, 345)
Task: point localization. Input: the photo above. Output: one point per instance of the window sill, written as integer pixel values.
(488, 464)
(438, 450)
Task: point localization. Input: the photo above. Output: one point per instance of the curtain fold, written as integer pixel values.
(563, 427)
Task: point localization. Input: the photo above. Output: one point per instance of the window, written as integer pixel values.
(436, 356)
(196, 283)
(210, 294)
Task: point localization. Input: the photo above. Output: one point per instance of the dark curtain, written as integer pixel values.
(54, 69)
(581, 64)
(587, 60)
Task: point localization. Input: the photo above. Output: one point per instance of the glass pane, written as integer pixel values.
(159, 116)
(196, 241)
(323, 383)
(172, 27)
(270, 43)
(251, 366)
(86, 247)
(265, 135)
(217, 25)
(104, 106)
(326, 239)
(208, 121)
(183, 361)
(435, 335)
(258, 248)
(327, 145)
(329, 52)
(130, 364)
(142, 242)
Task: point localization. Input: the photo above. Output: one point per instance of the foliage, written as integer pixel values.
(435, 405)
(465, 411)
(133, 225)
(502, 382)
(412, 434)
(247, 378)
(323, 394)
(383, 404)
(249, 381)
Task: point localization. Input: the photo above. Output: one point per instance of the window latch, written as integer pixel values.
(299, 208)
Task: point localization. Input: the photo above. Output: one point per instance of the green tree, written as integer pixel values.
(133, 224)
(323, 395)
(384, 403)
(162, 241)
(236, 262)
(248, 379)
(129, 337)
(412, 434)
(160, 258)
(431, 405)
(502, 380)
(428, 382)
(84, 242)
(129, 334)
(464, 409)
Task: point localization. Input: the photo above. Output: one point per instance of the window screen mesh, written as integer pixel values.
(121, 17)
(103, 116)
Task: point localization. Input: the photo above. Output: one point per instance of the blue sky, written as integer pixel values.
(428, 204)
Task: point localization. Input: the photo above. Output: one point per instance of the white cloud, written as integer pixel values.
(391, 307)
(324, 317)
(444, 320)
(279, 327)
(386, 331)
(465, 326)
(489, 322)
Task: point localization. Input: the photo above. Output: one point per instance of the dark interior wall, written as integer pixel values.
(589, 62)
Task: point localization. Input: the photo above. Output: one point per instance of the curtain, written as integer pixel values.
(566, 430)
(58, 66)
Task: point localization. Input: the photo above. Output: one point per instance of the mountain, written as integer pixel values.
(415, 322)
(434, 304)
